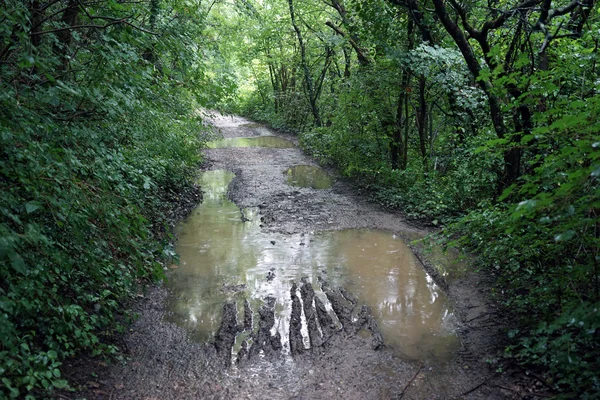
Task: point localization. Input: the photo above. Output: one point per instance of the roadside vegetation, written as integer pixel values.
(98, 133)
(482, 118)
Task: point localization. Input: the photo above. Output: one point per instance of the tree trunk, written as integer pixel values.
(512, 158)
(422, 121)
(406, 126)
(312, 98)
(398, 146)
(69, 18)
(347, 62)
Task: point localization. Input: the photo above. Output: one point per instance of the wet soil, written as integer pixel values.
(162, 361)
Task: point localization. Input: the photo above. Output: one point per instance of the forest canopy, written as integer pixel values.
(481, 117)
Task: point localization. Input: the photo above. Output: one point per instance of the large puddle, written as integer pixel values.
(260, 141)
(308, 176)
(223, 258)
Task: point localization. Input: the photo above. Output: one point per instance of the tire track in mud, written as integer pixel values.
(347, 360)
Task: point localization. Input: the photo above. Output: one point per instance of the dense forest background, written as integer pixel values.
(482, 117)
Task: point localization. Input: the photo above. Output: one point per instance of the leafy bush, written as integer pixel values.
(90, 142)
(543, 244)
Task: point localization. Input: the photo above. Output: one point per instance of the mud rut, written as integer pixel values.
(347, 357)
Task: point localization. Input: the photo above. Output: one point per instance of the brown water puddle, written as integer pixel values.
(308, 176)
(223, 258)
(260, 141)
(449, 263)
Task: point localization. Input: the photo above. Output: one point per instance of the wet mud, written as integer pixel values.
(289, 332)
(225, 256)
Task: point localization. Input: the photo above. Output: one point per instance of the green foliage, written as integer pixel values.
(544, 247)
(95, 128)
(567, 347)
(358, 143)
(95, 136)
(411, 122)
(440, 197)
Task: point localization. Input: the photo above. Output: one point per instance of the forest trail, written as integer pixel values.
(167, 357)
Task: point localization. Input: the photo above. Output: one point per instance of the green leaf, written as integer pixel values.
(32, 206)
(563, 237)
(60, 384)
(527, 138)
(18, 264)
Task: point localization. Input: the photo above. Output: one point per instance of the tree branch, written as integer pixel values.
(498, 22)
(473, 64)
(564, 10)
(363, 59)
(115, 21)
(68, 28)
(463, 16)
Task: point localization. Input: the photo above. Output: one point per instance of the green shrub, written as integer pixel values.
(543, 245)
(87, 153)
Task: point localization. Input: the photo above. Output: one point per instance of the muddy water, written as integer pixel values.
(223, 258)
(260, 141)
(308, 176)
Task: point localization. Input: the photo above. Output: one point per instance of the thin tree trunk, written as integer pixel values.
(422, 121)
(273, 76)
(309, 82)
(406, 124)
(347, 62)
(397, 147)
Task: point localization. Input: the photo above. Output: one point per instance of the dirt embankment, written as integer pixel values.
(346, 359)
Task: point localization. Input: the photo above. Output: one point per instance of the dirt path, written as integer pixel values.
(163, 363)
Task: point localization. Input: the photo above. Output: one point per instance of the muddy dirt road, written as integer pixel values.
(276, 266)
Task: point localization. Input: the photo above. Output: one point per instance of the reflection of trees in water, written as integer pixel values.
(261, 141)
(212, 253)
(384, 274)
(217, 248)
(309, 176)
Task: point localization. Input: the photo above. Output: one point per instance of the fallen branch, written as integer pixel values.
(410, 382)
(536, 376)
(480, 316)
(472, 389)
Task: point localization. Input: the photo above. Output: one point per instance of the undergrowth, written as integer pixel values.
(92, 137)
